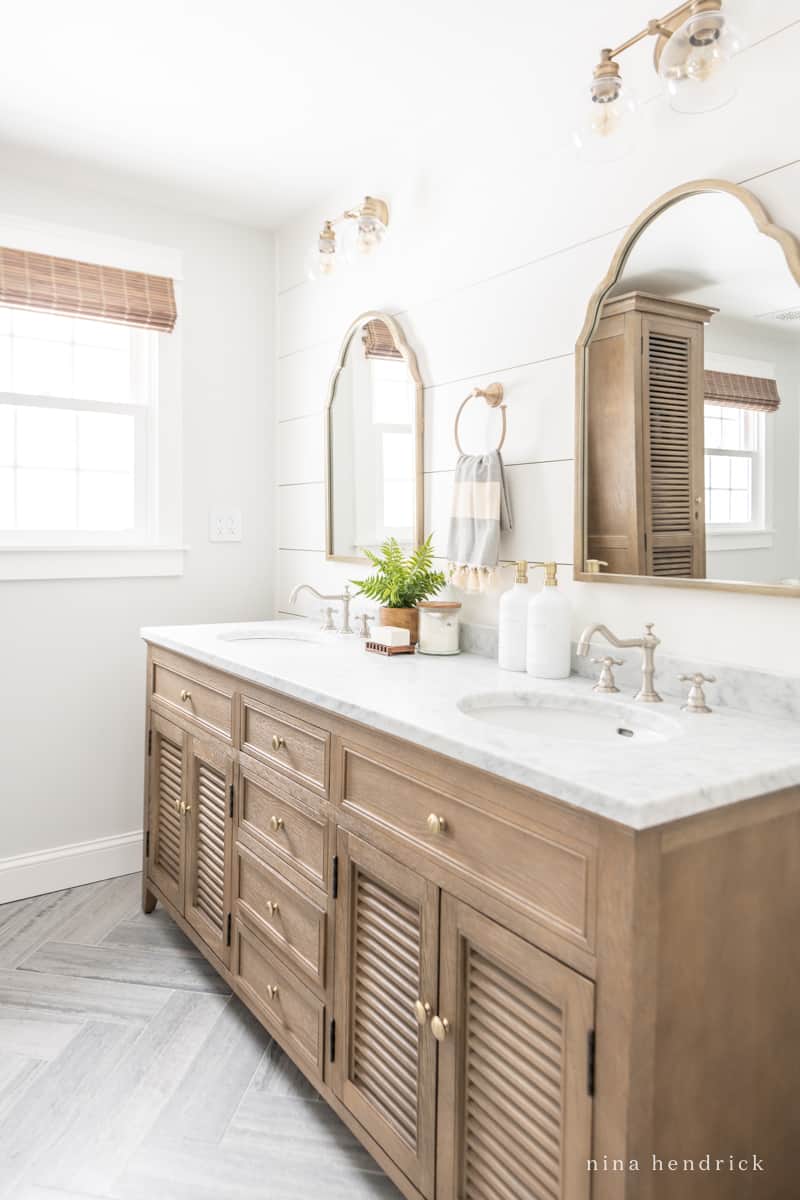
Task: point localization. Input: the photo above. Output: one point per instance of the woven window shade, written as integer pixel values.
(79, 289)
(378, 341)
(741, 391)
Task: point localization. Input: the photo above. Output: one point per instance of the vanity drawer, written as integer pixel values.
(205, 704)
(285, 918)
(506, 852)
(286, 742)
(282, 816)
(285, 1004)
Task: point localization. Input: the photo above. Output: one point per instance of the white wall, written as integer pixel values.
(489, 267)
(72, 701)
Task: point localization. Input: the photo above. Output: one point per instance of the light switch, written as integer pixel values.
(225, 525)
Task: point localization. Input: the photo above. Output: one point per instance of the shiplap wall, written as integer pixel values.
(489, 269)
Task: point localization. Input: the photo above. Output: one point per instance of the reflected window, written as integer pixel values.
(734, 466)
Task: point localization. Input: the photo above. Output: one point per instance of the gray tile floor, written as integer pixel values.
(129, 1072)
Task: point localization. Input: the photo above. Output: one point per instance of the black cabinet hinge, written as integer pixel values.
(332, 1041)
(230, 801)
(147, 844)
(591, 1042)
(228, 931)
(149, 742)
(335, 877)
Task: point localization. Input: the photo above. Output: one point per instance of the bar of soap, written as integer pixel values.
(390, 635)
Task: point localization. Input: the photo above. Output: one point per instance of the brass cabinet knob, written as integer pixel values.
(422, 1010)
(276, 824)
(272, 907)
(440, 1027)
(272, 991)
(436, 824)
(186, 696)
(277, 742)
(185, 808)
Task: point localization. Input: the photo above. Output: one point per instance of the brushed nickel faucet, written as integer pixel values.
(345, 598)
(647, 643)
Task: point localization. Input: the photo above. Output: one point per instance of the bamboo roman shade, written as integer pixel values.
(741, 391)
(378, 341)
(79, 289)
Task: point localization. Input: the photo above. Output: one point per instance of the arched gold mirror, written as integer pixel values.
(688, 401)
(373, 450)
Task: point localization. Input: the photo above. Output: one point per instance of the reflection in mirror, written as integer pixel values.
(692, 434)
(374, 442)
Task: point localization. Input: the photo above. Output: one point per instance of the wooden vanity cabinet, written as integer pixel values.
(492, 989)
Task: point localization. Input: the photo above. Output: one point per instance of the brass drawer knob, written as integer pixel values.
(436, 824)
(272, 907)
(272, 991)
(440, 1027)
(422, 1010)
(277, 742)
(276, 824)
(186, 696)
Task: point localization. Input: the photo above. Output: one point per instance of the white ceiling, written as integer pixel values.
(257, 109)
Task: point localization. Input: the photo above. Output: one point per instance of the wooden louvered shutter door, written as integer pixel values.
(386, 959)
(167, 789)
(209, 834)
(672, 394)
(515, 1113)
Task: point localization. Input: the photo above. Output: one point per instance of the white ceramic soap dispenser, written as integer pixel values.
(512, 632)
(549, 650)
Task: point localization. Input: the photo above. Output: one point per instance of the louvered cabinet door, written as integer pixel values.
(167, 791)
(209, 830)
(384, 1069)
(672, 393)
(514, 1117)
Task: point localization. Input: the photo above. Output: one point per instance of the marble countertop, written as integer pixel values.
(707, 762)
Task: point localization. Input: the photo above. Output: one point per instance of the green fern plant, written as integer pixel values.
(401, 582)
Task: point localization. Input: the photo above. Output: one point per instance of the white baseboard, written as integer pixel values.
(69, 866)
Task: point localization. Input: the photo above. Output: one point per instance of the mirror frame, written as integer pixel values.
(791, 251)
(410, 358)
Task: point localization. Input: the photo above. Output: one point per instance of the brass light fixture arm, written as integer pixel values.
(662, 27)
(370, 205)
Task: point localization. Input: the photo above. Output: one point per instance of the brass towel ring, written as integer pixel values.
(493, 395)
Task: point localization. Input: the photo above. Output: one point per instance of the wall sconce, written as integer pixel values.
(364, 228)
(693, 55)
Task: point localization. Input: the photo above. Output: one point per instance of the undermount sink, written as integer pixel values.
(262, 633)
(571, 718)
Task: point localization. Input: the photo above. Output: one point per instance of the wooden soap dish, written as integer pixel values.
(379, 648)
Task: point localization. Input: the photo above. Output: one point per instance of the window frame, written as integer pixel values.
(759, 459)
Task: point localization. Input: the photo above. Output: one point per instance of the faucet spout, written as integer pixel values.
(647, 643)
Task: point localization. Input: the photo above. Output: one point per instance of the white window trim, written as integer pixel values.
(161, 552)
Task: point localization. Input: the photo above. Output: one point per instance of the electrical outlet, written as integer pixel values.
(225, 525)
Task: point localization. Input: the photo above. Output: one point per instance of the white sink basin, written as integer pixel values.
(263, 633)
(587, 720)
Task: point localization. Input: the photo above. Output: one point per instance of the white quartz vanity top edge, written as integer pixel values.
(710, 762)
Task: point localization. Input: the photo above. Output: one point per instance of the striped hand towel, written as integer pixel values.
(480, 510)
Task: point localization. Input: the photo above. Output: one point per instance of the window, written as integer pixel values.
(734, 467)
(77, 405)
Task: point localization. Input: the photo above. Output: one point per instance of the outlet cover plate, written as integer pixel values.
(225, 525)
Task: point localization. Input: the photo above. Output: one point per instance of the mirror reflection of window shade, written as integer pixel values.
(378, 341)
(741, 391)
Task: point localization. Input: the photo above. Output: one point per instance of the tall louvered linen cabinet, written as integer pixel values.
(645, 487)
(498, 992)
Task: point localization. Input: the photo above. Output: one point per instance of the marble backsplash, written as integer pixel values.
(758, 692)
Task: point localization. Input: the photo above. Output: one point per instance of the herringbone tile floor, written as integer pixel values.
(129, 1072)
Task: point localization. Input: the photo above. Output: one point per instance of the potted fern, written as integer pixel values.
(400, 583)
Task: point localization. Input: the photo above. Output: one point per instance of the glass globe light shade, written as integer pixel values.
(362, 237)
(322, 258)
(609, 125)
(697, 66)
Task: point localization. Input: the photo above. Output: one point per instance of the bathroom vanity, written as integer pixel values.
(497, 954)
